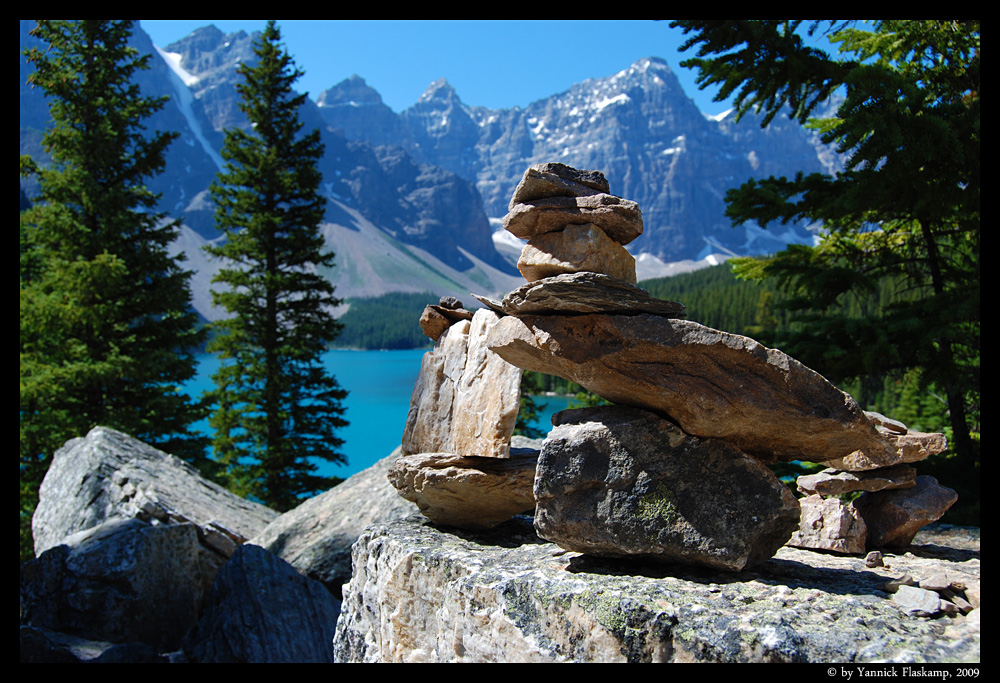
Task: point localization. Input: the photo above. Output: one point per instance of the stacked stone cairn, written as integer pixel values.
(894, 505)
(674, 470)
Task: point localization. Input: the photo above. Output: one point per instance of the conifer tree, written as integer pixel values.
(107, 336)
(277, 408)
(905, 211)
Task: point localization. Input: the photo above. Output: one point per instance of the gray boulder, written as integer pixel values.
(424, 594)
(615, 481)
(620, 219)
(262, 611)
(122, 581)
(316, 536)
(109, 475)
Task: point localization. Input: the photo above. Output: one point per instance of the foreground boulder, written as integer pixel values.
(316, 536)
(121, 581)
(711, 383)
(110, 475)
(424, 594)
(261, 610)
(616, 481)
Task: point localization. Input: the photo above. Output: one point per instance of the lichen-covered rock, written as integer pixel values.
(424, 594)
(616, 481)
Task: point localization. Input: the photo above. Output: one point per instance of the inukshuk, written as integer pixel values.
(674, 470)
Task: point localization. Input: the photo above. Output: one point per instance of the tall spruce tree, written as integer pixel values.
(107, 336)
(278, 410)
(905, 211)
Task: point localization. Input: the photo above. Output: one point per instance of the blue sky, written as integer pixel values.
(495, 64)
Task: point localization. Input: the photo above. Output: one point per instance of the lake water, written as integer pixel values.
(379, 384)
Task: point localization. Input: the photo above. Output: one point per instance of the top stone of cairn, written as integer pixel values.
(557, 180)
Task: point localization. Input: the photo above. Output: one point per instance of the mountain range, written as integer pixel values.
(414, 198)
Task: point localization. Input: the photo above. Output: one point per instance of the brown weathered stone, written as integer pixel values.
(577, 248)
(831, 482)
(829, 524)
(619, 218)
(616, 481)
(437, 318)
(465, 399)
(902, 448)
(711, 383)
(894, 517)
(466, 492)
(557, 180)
(575, 293)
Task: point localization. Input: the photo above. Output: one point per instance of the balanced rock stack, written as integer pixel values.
(674, 470)
(895, 504)
(572, 224)
(457, 464)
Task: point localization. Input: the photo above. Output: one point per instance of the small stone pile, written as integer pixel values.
(895, 504)
(674, 471)
(572, 224)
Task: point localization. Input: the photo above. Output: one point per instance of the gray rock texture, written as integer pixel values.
(121, 581)
(110, 475)
(422, 594)
(316, 537)
(262, 611)
(615, 481)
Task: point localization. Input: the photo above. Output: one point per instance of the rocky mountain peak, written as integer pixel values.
(353, 91)
(440, 91)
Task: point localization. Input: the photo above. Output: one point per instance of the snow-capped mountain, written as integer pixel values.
(637, 126)
(409, 194)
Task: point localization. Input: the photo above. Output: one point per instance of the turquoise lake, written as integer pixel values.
(379, 384)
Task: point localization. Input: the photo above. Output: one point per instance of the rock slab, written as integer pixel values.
(110, 475)
(466, 398)
(615, 481)
(711, 383)
(424, 594)
(467, 492)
